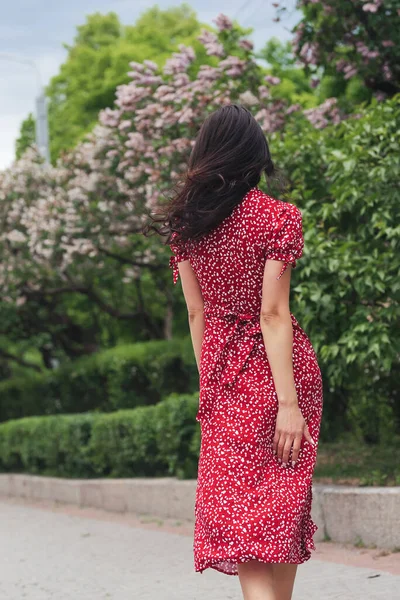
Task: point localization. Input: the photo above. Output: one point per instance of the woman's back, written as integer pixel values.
(260, 400)
(229, 261)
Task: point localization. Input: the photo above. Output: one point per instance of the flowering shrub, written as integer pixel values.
(62, 224)
(356, 37)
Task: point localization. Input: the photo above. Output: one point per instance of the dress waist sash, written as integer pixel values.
(244, 328)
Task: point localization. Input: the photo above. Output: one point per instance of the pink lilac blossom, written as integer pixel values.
(186, 116)
(270, 119)
(149, 79)
(349, 71)
(233, 65)
(387, 73)
(215, 50)
(136, 142)
(293, 108)
(211, 43)
(246, 45)
(137, 66)
(150, 65)
(181, 80)
(341, 64)
(365, 51)
(248, 98)
(272, 80)
(126, 124)
(127, 96)
(369, 7)
(188, 52)
(309, 53)
(223, 22)
(109, 117)
(180, 61)
(325, 113)
(263, 91)
(16, 236)
(164, 91)
(208, 73)
(380, 96)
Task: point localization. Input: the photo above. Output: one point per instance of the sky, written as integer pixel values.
(37, 29)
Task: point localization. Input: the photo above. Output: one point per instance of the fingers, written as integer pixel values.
(307, 435)
(275, 442)
(296, 449)
(281, 446)
(278, 444)
(286, 450)
(284, 443)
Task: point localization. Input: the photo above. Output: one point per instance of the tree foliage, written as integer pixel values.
(357, 40)
(295, 85)
(26, 137)
(97, 62)
(347, 293)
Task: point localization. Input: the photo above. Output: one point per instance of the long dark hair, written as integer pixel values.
(227, 160)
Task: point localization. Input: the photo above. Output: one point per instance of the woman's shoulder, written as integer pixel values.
(271, 208)
(177, 245)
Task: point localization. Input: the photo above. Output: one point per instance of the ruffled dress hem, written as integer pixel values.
(303, 553)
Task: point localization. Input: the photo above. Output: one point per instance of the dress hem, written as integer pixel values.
(309, 547)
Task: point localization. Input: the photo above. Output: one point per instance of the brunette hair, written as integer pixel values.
(228, 158)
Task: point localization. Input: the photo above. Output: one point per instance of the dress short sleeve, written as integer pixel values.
(180, 253)
(286, 243)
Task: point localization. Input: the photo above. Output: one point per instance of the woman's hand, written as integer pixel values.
(289, 431)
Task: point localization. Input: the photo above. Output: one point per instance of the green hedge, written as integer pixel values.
(122, 377)
(148, 441)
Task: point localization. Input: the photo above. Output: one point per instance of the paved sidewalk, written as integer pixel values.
(54, 555)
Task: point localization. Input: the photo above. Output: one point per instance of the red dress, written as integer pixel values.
(248, 505)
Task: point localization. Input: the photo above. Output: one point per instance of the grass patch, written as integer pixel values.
(350, 462)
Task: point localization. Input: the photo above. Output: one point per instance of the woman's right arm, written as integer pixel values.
(277, 331)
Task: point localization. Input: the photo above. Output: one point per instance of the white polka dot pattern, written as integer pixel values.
(248, 505)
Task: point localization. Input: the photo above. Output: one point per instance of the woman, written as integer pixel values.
(260, 402)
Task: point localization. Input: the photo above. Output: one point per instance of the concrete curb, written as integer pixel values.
(346, 514)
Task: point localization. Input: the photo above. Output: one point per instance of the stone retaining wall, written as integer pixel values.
(343, 513)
